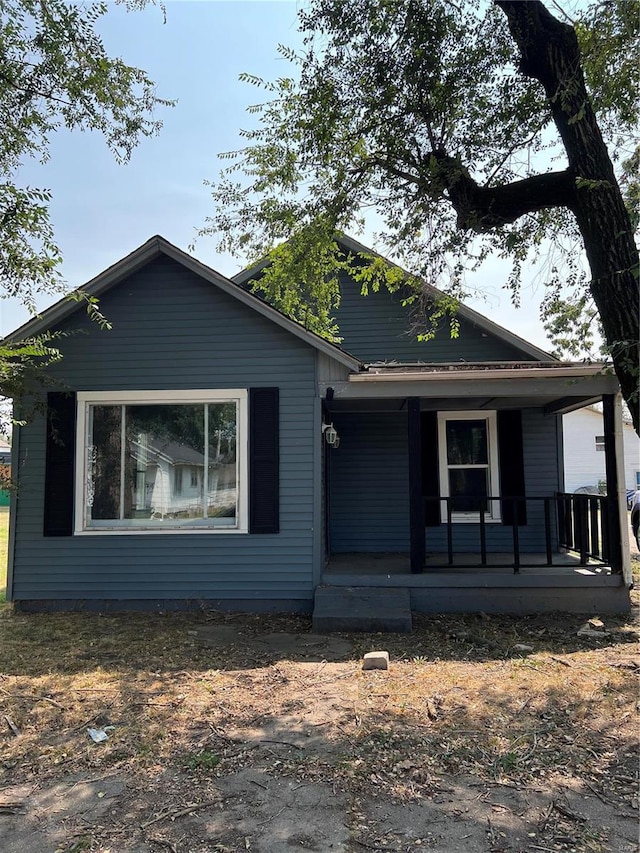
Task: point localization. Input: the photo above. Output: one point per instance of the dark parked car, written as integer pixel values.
(635, 516)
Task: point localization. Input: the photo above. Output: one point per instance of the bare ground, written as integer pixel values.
(236, 733)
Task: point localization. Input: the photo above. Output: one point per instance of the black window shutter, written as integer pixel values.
(59, 466)
(511, 461)
(430, 468)
(264, 460)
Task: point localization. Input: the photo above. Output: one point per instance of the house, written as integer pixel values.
(584, 457)
(5, 471)
(209, 451)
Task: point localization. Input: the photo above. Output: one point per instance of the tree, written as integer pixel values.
(471, 129)
(54, 72)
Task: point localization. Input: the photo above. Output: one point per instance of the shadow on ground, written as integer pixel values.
(236, 733)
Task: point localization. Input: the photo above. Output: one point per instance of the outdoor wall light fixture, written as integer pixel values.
(331, 435)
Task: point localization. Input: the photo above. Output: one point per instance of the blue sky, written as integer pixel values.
(101, 210)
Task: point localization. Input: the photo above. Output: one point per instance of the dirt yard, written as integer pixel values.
(239, 733)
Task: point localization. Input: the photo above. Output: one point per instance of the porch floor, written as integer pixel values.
(397, 565)
(495, 588)
(393, 570)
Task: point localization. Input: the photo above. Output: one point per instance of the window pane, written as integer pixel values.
(467, 486)
(164, 442)
(222, 490)
(179, 466)
(103, 463)
(467, 442)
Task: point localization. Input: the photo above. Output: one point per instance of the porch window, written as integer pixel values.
(468, 462)
(161, 461)
(599, 442)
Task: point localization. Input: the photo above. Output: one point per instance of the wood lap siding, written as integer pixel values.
(385, 335)
(370, 497)
(217, 343)
(369, 484)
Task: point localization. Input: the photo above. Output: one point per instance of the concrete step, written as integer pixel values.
(354, 608)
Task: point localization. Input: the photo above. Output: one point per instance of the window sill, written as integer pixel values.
(176, 531)
(471, 519)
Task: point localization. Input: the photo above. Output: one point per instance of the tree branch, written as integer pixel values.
(482, 208)
(550, 53)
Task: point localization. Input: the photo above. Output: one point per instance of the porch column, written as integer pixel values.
(416, 504)
(612, 418)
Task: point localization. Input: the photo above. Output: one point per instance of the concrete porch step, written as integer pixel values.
(350, 608)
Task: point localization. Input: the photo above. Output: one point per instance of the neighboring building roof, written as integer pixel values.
(482, 322)
(596, 410)
(167, 451)
(149, 251)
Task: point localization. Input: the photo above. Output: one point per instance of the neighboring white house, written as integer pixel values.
(584, 450)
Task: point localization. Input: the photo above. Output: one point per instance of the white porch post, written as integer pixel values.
(616, 490)
(622, 488)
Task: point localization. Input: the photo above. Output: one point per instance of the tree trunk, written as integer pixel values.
(549, 53)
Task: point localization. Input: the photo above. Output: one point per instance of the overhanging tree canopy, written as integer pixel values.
(54, 72)
(472, 129)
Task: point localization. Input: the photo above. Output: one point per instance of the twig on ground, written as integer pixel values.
(94, 689)
(179, 812)
(14, 729)
(90, 720)
(491, 831)
(33, 698)
(273, 816)
(95, 779)
(370, 846)
(600, 796)
(259, 784)
(11, 808)
(561, 661)
(164, 843)
(283, 743)
(544, 819)
(566, 812)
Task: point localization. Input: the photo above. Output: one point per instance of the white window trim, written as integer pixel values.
(118, 398)
(491, 417)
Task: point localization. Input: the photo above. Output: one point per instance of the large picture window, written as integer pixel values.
(468, 450)
(153, 461)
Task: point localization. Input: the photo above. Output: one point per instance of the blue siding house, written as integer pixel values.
(208, 451)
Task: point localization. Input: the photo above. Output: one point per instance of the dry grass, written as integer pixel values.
(4, 540)
(459, 700)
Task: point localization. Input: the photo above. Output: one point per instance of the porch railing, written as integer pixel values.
(577, 523)
(583, 526)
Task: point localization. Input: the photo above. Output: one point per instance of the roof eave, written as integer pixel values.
(562, 372)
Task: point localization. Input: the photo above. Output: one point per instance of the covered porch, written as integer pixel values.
(448, 481)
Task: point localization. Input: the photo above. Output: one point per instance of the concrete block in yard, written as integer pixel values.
(376, 660)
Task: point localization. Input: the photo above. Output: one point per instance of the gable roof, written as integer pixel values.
(353, 246)
(154, 248)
